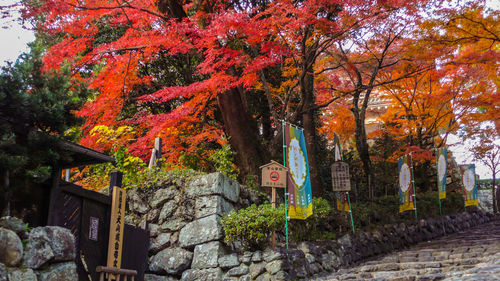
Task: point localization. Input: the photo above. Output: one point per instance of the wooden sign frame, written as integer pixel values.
(273, 175)
(340, 176)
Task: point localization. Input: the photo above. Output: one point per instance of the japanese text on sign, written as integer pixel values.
(116, 228)
(274, 175)
(93, 228)
(340, 177)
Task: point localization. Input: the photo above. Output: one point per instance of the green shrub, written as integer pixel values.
(253, 226)
(314, 226)
(385, 210)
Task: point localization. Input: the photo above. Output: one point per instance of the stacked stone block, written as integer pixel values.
(48, 253)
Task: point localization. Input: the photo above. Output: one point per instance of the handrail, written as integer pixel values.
(115, 273)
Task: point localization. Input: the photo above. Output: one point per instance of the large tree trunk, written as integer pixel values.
(362, 148)
(311, 141)
(6, 194)
(308, 119)
(242, 133)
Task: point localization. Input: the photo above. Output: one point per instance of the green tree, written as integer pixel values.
(36, 110)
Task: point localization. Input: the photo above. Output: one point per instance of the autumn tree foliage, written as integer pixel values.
(193, 71)
(438, 73)
(474, 33)
(205, 74)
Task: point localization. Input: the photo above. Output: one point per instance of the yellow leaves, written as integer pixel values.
(111, 138)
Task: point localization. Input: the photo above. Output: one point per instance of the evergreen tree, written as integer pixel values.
(36, 110)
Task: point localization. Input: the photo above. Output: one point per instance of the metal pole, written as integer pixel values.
(414, 192)
(440, 210)
(350, 211)
(286, 189)
(438, 181)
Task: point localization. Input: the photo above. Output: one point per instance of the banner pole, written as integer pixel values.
(350, 211)
(413, 184)
(439, 186)
(440, 210)
(286, 189)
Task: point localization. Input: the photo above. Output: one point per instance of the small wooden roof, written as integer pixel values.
(274, 163)
(80, 155)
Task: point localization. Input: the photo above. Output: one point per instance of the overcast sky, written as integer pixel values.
(14, 39)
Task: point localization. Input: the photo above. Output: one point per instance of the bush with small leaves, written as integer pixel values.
(253, 226)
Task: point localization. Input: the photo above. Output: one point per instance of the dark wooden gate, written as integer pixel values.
(87, 214)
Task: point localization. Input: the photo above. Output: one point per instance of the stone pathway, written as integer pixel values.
(473, 254)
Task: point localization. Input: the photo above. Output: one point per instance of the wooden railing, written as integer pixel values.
(111, 273)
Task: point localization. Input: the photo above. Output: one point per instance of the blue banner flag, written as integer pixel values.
(299, 182)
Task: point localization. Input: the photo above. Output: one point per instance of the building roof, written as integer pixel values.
(80, 155)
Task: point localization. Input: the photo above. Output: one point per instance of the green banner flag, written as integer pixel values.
(299, 182)
(469, 184)
(405, 184)
(441, 165)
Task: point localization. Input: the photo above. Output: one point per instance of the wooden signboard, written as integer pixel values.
(116, 228)
(274, 175)
(340, 176)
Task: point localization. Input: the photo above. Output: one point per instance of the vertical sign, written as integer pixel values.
(116, 227)
(405, 184)
(341, 196)
(469, 184)
(340, 177)
(93, 228)
(441, 161)
(299, 182)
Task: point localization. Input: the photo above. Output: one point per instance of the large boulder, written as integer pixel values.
(159, 243)
(201, 231)
(11, 247)
(163, 195)
(207, 255)
(18, 274)
(229, 261)
(210, 205)
(208, 274)
(14, 224)
(167, 211)
(173, 225)
(136, 203)
(49, 243)
(154, 277)
(172, 261)
(59, 272)
(214, 184)
(3, 272)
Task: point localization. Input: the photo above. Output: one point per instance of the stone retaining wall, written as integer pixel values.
(187, 237)
(184, 223)
(43, 254)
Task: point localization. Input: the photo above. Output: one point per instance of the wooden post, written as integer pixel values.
(155, 155)
(274, 176)
(273, 203)
(116, 228)
(115, 179)
(158, 144)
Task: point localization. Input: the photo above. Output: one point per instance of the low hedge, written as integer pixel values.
(252, 227)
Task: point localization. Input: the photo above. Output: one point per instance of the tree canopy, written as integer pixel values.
(205, 74)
